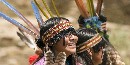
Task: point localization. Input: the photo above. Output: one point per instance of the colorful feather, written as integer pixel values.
(37, 14)
(43, 12)
(91, 7)
(48, 9)
(82, 8)
(99, 6)
(54, 6)
(27, 39)
(17, 24)
(21, 16)
(51, 60)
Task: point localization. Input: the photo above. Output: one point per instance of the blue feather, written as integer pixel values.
(17, 24)
(37, 14)
(20, 16)
(12, 8)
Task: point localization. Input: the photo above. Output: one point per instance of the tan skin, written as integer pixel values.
(70, 45)
(96, 57)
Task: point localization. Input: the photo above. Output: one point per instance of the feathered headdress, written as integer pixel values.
(26, 34)
(32, 34)
(92, 18)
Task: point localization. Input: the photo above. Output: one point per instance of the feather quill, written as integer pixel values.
(29, 40)
(82, 8)
(20, 16)
(17, 24)
(37, 14)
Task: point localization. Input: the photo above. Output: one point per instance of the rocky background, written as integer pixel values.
(14, 52)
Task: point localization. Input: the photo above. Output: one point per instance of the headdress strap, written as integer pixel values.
(89, 43)
(63, 25)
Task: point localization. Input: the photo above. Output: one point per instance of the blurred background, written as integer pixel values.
(14, 52)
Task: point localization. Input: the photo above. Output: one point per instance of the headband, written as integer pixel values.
(55, 30)
(89, 43)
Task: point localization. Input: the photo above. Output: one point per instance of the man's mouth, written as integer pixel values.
(71, 45)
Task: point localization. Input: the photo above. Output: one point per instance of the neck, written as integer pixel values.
(95, 63)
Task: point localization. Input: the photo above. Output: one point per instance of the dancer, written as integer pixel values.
(56, 36)
(90, 47)
(92, 18)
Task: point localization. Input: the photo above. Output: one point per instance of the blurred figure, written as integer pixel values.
(90, 47)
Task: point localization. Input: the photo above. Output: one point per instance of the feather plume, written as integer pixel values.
(59, 60)
(37, 14)
(27, 39)
(21, 16)
(17, 24)
(82, 8)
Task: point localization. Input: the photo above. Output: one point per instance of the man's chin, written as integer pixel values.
(73, 51)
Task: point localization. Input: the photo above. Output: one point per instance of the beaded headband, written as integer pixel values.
(89, 43)
(50, 33)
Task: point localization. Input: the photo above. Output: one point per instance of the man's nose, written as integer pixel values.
(74, 38)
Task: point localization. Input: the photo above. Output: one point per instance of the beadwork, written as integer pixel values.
(55, 30)
(91, 42)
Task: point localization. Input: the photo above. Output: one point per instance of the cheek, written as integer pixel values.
(76, 38)
(66, 40)
(97, 56)
(59, 46)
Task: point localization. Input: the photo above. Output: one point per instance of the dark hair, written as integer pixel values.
(81, 21)
(71, 60)
(85, 34)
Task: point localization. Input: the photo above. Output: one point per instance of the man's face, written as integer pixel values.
(97, 57)
(70, 41)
